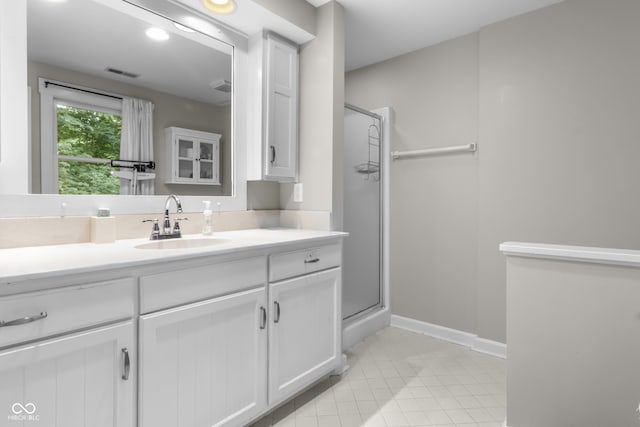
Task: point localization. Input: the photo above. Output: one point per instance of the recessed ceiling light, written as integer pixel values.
(158, 34)
(183, 28)
(219, 6)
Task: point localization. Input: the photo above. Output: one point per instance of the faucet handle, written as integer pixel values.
(176, 224)
(155, 233)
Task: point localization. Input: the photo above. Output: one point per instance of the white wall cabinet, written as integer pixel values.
(203, 364)
(82, 379)
(273, 145)
(193, 156)
(304, 333)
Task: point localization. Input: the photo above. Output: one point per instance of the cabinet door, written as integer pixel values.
(304, 338)
(73, 381)
(207, 162)
(282, 110)
(204, 364)
(186, 150)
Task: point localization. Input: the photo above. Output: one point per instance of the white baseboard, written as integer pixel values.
(455, 336)
(360, 329)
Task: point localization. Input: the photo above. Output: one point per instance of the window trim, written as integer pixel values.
(50, 97)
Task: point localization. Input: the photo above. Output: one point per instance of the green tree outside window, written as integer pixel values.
(86, 140)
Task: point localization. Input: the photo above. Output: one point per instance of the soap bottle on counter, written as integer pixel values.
(207, 225)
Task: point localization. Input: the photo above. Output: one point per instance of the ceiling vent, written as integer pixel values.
(122, 73)
(221, 85)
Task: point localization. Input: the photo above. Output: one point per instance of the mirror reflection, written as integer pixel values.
(124, 101)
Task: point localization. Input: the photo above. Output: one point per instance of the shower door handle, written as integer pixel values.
(272, 149)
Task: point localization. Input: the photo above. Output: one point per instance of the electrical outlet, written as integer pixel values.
(297, 192)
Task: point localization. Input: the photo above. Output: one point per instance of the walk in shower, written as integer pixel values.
(364, 296)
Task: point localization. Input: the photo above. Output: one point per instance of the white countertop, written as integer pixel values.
(572, 253)
(37, 262)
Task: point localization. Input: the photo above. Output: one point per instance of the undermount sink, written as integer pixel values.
(181, 243)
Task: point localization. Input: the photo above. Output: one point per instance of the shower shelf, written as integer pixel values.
(372, 166)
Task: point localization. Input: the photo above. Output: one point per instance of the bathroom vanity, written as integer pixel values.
(207, 331)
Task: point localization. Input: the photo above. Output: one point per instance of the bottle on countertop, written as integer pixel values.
(207, 226)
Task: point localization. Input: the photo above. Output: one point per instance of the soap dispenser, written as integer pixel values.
(207, 225)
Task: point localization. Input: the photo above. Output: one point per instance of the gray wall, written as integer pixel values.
(169, 110)
(552, 99)
(321, 117)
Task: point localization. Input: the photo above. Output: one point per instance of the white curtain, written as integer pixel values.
(137, 140)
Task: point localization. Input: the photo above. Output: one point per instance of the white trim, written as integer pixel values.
(572, 253)
(455, 336)
(14, 172)
(358, 330)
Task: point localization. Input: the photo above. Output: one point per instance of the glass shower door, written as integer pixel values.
(362, 213)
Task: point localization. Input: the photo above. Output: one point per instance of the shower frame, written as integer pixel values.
(368, 321)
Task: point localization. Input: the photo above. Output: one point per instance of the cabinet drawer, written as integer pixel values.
(170, 289)
(291, 264)
(66, 309)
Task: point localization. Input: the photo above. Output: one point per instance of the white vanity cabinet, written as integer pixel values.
(204, 363)
(68, 356)
(193, 156)
(205, 337)
(305, 322)
(273, 143)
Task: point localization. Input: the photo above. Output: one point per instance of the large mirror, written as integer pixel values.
(114, 110)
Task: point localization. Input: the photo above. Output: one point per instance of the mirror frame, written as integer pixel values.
(14, 126)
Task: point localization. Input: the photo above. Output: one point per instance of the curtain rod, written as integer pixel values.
(434, 151)
(47, 83)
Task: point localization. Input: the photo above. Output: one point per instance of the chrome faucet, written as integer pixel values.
(167, 231)
(166, 228)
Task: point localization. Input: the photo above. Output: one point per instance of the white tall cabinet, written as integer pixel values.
(273, 142)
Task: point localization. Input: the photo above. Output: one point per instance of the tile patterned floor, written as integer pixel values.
(401, 378)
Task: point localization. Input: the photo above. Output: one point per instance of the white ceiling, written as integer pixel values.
(376, 30)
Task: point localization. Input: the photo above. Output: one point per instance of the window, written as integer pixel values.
(87, 139)
(80, 134)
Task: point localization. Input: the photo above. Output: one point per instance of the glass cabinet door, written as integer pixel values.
(206, 161)
(186, 164)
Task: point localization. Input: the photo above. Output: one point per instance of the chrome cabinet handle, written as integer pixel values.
(126, 364)
(23, 320)
(276, 318)
(273, 153)
(263, 319)
(311, 260)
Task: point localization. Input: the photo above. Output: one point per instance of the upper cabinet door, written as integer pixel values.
(281, 142)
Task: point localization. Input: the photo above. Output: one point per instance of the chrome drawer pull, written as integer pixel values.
(126, 364)
(276, 318)
(23, 320)
(263, 320)
(311, 260)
